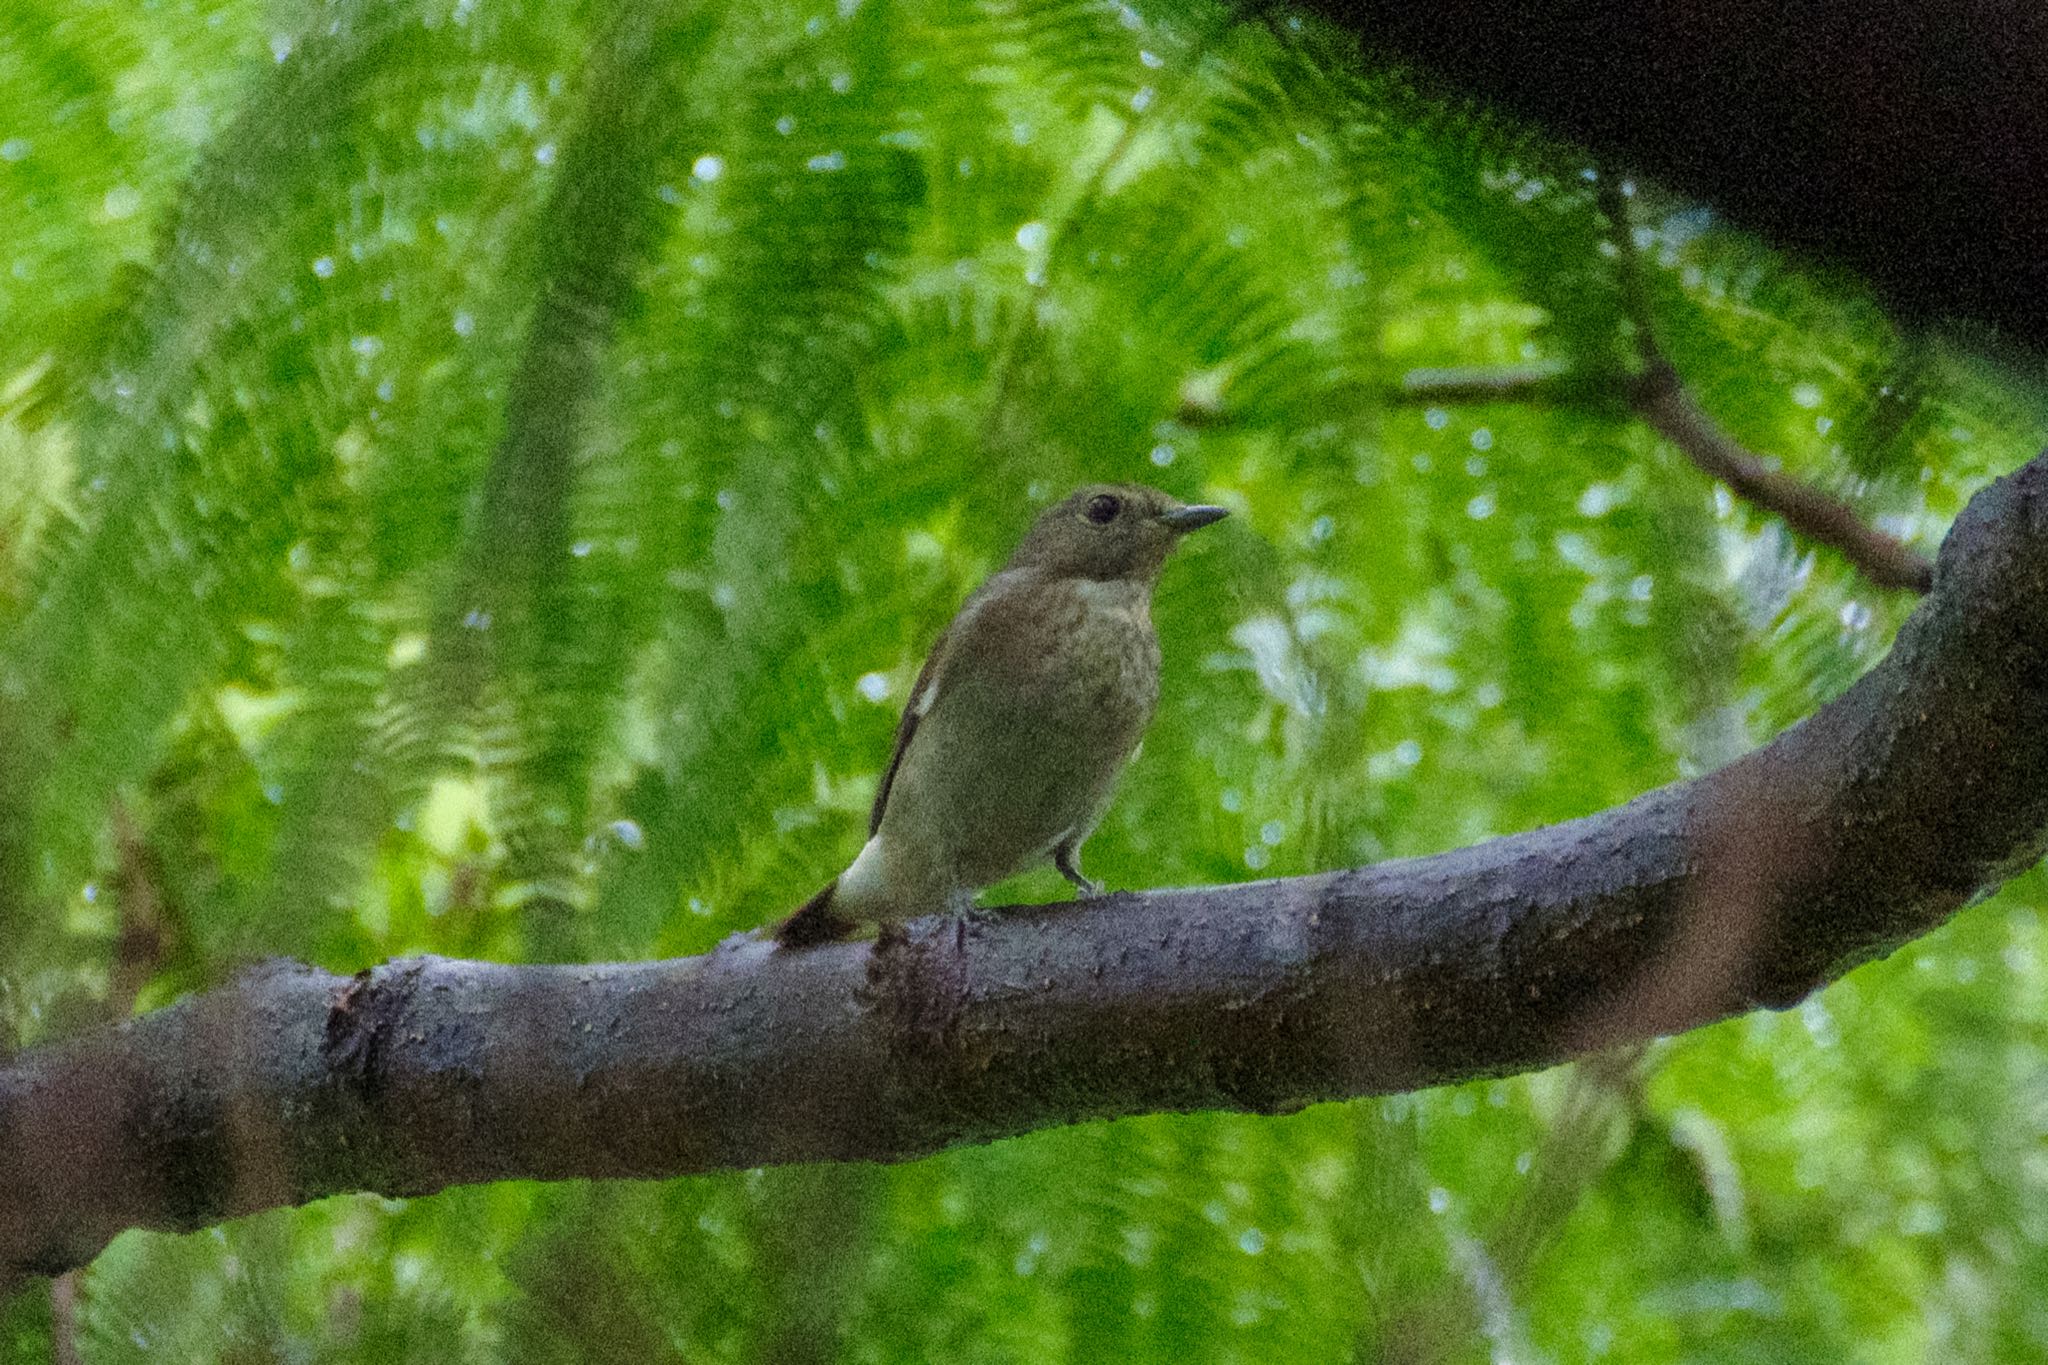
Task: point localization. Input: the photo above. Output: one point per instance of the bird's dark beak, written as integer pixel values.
(1186, 519)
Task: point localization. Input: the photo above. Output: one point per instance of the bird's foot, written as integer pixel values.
(1067, 859)
(968, 915)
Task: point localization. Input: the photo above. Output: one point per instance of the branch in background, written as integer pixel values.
(144, 939)
(1532, 384)
(1660, 398)
(1662, 401)
(139, 952)
(1863, 826)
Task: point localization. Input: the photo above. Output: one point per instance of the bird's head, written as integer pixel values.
(1110, 531)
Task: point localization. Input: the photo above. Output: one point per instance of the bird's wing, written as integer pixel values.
(986, 620)
(921, 694)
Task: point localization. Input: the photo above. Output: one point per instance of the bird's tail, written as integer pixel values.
(815, 921)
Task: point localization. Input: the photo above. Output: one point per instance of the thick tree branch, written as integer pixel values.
(1868, 823)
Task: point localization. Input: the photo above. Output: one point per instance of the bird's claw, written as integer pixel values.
(1067, 860)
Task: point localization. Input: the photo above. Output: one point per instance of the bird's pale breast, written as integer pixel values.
(1045, 696)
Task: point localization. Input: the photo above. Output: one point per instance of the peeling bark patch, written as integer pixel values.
(344, 1019)
(921, 986)
(365, 1013)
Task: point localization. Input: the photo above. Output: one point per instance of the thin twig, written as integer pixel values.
(1661, 399)
(144, 942)
(1659, 396)
(1529, 384)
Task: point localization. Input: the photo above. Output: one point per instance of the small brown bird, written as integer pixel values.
(1022, 718)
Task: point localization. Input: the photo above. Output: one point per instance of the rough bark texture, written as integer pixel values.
(1861, 827)
(1904, 139)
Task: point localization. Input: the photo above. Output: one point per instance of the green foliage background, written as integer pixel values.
(478, 478)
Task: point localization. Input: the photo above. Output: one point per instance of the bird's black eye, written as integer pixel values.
(1103, 507)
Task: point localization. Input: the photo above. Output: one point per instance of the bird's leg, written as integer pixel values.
(966, 911)
(1067, 858)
